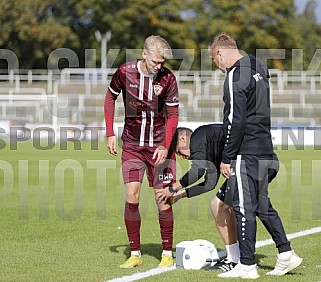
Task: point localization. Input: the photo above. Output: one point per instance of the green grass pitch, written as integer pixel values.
(62, 216)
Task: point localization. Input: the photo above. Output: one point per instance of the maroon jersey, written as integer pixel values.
(145, 101)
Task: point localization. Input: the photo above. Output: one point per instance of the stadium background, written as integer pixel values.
(61, 201)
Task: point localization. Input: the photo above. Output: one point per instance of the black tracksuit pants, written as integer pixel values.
(250, 199)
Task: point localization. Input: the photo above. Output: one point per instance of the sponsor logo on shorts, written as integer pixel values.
(166, 177)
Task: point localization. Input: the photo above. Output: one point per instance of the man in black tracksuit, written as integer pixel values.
(204, 148)
(247, 154)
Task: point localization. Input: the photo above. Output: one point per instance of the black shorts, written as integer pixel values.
(225, 193)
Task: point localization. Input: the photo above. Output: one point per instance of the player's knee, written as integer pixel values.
(132, 197)
(132, 192)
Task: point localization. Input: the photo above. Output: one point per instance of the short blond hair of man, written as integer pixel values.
(159, 45)
(223, 40)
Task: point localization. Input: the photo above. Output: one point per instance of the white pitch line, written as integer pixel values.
(141, 275)
(290, 236)
(259, 244)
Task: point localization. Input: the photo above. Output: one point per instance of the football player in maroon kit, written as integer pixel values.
(150, 97)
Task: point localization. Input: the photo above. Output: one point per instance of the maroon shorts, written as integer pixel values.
(135, 160)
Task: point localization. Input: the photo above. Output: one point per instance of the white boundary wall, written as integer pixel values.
(297, 136)
(281, 136)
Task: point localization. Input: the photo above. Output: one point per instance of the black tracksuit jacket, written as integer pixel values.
(206, 146)
(246, 122)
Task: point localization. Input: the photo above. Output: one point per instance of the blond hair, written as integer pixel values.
(159, 45)
(223, 40)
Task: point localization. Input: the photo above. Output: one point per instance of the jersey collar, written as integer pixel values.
(142, 73)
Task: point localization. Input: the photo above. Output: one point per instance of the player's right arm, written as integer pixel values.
(113, 92)
(109, 110)
(112, 145)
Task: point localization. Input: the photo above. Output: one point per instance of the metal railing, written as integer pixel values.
(40, 95)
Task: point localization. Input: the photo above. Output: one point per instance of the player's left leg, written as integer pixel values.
(159, 177)
(166, 223)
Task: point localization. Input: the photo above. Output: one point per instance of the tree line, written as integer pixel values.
(33, 29)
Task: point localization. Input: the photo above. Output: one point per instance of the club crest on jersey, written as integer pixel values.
(158, 89)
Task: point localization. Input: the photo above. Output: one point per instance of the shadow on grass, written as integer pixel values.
(259, 260)
(153, 250)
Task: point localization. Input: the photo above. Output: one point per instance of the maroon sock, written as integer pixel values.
(132, 222)
(166, 223)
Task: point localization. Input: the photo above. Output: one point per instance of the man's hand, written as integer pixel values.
(226, 170)
(112, 145)
(160, 154)
(163, 195)
(179, 195)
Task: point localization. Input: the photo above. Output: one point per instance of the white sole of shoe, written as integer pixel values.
(249, 276)
(256, 276)
(244, 277)
(288, 269)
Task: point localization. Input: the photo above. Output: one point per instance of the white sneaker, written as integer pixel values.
(285, 265)
(242, 271)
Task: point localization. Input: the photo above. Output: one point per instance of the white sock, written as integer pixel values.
(136, 253)
(285, 255)
(233, 252)
(170, 253)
